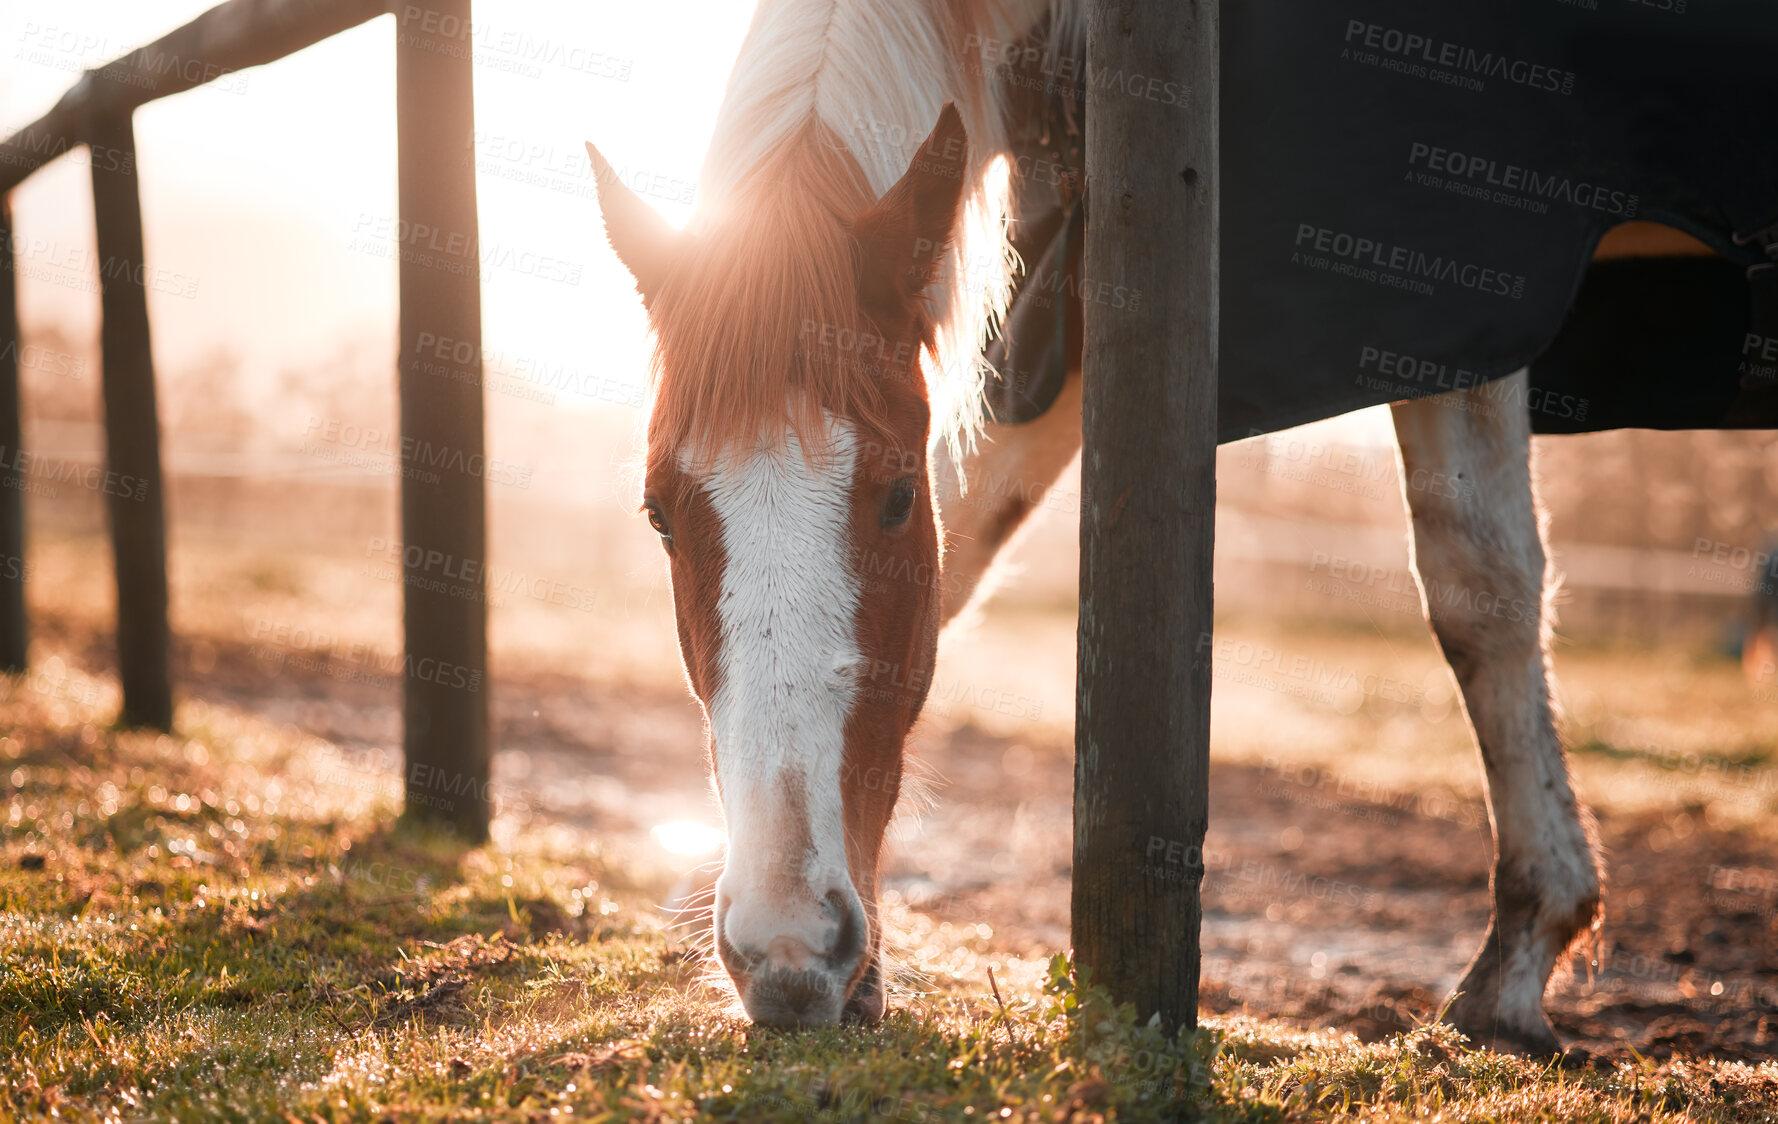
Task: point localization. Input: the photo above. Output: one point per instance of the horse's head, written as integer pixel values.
(787, 478)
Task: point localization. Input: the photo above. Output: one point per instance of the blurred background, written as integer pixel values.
(268, 201)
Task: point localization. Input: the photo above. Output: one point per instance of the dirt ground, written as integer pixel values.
(1347, 880)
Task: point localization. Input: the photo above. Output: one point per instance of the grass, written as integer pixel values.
(226, 924)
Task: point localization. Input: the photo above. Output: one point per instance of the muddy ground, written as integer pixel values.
(1328, 903)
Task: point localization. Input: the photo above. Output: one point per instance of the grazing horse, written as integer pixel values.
(816, 415)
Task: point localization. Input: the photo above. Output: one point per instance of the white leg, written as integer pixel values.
(1478, 550)
(1007, 476)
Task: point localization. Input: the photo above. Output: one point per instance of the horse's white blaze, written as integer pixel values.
(789, 670)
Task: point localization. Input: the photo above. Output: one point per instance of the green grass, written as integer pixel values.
(225, 925)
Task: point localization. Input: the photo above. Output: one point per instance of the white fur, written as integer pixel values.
(1484, 537)
(1011, 467)
(876, 73)
(789, 668)
(1488, 538)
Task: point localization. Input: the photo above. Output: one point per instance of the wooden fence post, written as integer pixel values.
(13, 632)
(1148, 468)
(132, 480)
(443, 505)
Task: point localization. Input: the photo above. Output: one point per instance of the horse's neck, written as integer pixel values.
(875, 73)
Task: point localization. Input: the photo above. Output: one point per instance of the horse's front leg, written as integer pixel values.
(1478, 549)
(1008, 475)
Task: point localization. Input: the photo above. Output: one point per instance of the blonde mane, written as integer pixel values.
(827, 106)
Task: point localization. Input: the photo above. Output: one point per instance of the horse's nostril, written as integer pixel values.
(848, 943)
(737, 959)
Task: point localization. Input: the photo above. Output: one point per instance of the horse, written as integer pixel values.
(815, 417)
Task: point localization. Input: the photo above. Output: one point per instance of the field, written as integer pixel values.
(225, 924)
(233, 922)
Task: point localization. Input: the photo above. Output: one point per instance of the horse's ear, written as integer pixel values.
(901, 239)
(645, 242)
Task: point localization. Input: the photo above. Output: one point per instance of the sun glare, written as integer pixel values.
(281, 234)
(687, 837)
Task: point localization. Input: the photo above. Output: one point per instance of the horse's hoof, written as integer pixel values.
(1576, 1056)
(1489, 1033)
(1484, 1026)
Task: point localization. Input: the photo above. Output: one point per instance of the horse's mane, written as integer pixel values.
(827, 105)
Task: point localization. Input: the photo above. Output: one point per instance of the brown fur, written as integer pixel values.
(804, 297)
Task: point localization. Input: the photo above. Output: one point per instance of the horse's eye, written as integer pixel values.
(659, 523)
(900, 503)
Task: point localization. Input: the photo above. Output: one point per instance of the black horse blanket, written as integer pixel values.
(1411, 198)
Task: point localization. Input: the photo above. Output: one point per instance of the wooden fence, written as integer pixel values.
(443, 511)
(1149, 428)
(1148, 511)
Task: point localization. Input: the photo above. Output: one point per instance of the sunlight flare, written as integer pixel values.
(687, 837)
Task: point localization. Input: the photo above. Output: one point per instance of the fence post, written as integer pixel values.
(1142, 733)
(132, 482)
(443, 505)
(13, 632)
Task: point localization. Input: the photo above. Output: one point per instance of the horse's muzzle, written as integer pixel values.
(788, 983)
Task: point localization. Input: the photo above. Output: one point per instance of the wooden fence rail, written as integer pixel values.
(228, 37)
(443, 513)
